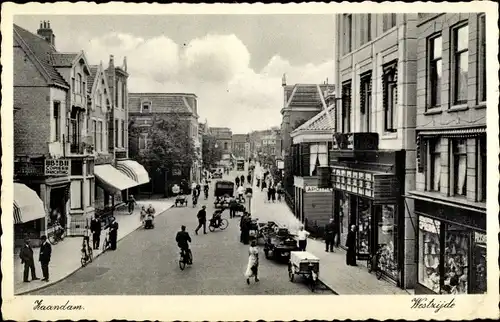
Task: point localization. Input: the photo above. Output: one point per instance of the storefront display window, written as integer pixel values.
(364, 220)
(456, 259)
(344, 217)
(429, 253)
(386, 238)
(479, 265)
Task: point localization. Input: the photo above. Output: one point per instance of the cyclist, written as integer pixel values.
(183, 239)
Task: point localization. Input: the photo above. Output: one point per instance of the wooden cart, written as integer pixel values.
(306, 265)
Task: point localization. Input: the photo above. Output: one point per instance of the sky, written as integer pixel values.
(233, 63)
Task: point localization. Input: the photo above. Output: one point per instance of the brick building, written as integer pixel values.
(239, 145)
(450, 195)
(224, 139)
(144, 108)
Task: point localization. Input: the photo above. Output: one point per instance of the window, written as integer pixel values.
(366, 101)
(124, 94)
(98, 99)
(318, 157)
(434, 165)
(146, 107)
(225, 145)
(389, 21)
(347, 30)
(460, 64)
(116, 133)
(435, 71)
(482, 59)
(478, 270)
(459, 159)
(91, 188)
(366, 30)
(56, 122)
(346, 107)
(143, 141)
(78, 88)
(123, 134)
(390, 96)
(73, 84)
(76, 168)
(116, 93)
(94, 133)
(76, 194)
(98, 145)
(481, 169)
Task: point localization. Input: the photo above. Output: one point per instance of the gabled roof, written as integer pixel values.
(41, 50)
(305, 94)
(92, 77)
(161, 102)
(320, 122)
(63, 59)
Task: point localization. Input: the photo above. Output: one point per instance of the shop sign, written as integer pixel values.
(57, 167)
(479, 238)
(354, 181)
(280, 164)
(317, 189)
(429, 225)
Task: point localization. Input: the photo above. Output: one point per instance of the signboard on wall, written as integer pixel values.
(57, 167)
(280, 164)
(317, 189)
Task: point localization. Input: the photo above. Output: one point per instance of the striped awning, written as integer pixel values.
(27, 204)
(133, 170)
(111, 179)
(454, 132)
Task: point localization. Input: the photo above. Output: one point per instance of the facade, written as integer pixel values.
(239, 145)
(450, 195)
(224, 138)
(144, 108)
(373, 156)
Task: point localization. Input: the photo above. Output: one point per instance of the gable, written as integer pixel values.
(26, 71)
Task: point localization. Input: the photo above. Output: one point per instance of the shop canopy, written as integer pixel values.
(27, 204)
(112, 179)
(133, 170)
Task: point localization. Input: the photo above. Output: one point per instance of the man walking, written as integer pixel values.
(26, 256)
(329, 236)
(233, 205)
(113, 233)
(131, 202)
(202, 220)
(44, 258)
(95, 228)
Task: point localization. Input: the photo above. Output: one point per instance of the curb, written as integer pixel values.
(80, 267)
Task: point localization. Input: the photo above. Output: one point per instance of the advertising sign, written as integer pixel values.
(317, 189)
(57, 167)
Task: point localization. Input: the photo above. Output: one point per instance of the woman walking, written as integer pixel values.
(253, 262)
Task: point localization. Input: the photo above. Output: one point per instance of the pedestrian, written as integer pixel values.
(202, 220)
(273, 193)
(26, 256)
(242, 179)
(237, 181)
(263, 185)
(131, 202)
(269, 193)
(253, 262)
(246, 229)
(279, 190)
(242, 225)
(249, 178)
(113, 233)
(198, 189)
(302, 237)
(233, 205)
(351, 247)
(44, 258)
(258, 179)
(95, 229)
(143, 213)
(329, 236)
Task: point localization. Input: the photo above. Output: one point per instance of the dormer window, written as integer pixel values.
(146, 107)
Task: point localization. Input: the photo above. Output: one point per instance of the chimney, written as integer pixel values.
(46, 32)
(283, 80)
(111, 61)
(125, 63)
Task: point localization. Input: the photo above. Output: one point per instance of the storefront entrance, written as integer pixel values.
(57, 206)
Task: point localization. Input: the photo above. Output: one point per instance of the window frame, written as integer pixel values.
(346, 110)
(388, 21)
(432, 144)
(56, 116)
(455, 54)
(481, 61)
(454, 177)
(432, 64)
(347, 33)
(366, 96)
(481, 169)
(122, 141)
(390, 83)
(116, 130)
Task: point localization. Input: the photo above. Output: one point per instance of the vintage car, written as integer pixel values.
(223, 190)
(279, 244)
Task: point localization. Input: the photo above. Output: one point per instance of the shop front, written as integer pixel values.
(29, 214)
(135, 171)
(451, 248)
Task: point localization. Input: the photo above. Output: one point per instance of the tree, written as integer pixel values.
(210, 154)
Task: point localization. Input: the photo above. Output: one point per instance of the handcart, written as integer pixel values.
(306, 265)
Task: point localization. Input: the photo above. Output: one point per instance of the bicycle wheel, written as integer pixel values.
(53, 239)
(182, 263)
(224, 224)
(190, 257)
(211, 228)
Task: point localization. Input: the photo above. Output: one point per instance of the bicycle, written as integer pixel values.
(374, 262)
(56, 235)
(223, 224)
(185, 259)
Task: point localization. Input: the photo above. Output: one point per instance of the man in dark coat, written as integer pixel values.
(249, 178)
(237, 181)
(243, 227)
(202, 220)
(95, 228)
(26, 256)
(242, 179)
(233, 206)
(351, 247)
(113, 233)
(246, 229)
(44, 258)
(329, 236)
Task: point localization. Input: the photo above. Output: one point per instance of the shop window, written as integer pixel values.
(389, 21)
(390, 96)
(434, 165)
(76, 194)
(346, 107)
(344, 211)
(387, 239)
(429, 253)
(460, 61)
(318, 157)
(481, 169)
(456, 259)
(366, 101)
(482, 59)
(435, 71)
(478, 270)
(347, 33)
(459, 169)
(364, 224)
(76, 167)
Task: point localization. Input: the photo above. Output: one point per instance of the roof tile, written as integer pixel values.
(161, 102)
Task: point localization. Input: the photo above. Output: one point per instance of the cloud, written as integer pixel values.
(215, 67)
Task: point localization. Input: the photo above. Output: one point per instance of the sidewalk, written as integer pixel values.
(343, 279)
(66, 254)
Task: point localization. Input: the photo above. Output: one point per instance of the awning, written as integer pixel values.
(27, 205)
(133, 170)
(112, 179)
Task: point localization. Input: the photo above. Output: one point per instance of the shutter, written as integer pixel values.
(324, 175)
(305, 162)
